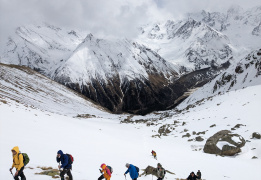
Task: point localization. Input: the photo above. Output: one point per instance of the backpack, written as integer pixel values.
(25, 157)
(110, 168)
(137, 169)
(70, 158)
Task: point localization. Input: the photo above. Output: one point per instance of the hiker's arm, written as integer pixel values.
(21, 162)
(65, 162)
(58, 159)
(13, 165)
(127, 171)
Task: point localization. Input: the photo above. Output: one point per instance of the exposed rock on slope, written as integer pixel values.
(224, 143)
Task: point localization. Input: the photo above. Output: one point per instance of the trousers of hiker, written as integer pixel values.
(65, 165)
(18, 163)
(106, 173)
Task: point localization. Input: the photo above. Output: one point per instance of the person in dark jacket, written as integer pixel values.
(199, 174)
(192, 176)
(160, 172)
(132, 170)
(65, 165)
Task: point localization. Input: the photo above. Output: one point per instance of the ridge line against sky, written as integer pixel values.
(119, 18)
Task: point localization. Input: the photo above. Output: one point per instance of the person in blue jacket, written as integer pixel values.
(65, 165)
(132, 170)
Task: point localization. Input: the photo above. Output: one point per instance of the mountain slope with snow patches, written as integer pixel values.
(25, 86)
(247, 72)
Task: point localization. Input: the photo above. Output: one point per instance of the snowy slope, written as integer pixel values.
(247, 72)
(95, 141)
(25, 86)
(41, 47)
(187, 43)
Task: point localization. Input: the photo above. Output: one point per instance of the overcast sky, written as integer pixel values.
(103, 17)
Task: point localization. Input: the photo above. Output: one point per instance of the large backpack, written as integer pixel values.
(25, 157)
(110, 168)
(70, 158)
(137, 169)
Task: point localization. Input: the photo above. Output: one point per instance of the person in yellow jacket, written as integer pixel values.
(106, 172)
(18, 163)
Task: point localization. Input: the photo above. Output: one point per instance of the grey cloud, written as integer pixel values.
(101, 17)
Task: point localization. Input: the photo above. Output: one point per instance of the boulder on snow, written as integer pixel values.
(150, 170)
(224, 143)
(256, 135)
(153, 171)
(199, 138)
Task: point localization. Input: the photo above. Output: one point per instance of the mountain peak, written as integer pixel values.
(89, 37)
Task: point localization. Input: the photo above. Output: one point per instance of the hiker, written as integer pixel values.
(192, 176)
(154, 154)
(18, 163)
(160, 172)
(132, 170)
(199, 174)
(65, 165)
(106, 172)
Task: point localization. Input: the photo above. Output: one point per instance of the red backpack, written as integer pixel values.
(70, 158)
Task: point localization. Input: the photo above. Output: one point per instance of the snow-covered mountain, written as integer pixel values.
(247, 72)
(241, 26)
(189, 44)
(41, 47)
(201, 39)
(121, 75)
(128, 76)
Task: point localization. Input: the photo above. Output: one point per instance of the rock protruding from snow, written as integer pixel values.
(224, 143)
(256, 135)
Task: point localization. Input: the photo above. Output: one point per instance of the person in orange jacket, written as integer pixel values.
(106, 172)
(18, 163)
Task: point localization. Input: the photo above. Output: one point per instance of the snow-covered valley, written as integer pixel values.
(107, 138)
(188, 88)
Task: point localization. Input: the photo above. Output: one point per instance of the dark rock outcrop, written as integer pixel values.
(230, 147)
(199, 138)
(256, 135)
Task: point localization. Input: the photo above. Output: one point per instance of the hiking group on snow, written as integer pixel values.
(20, 160)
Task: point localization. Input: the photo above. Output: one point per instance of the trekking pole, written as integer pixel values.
(125, 176)
(12, 174)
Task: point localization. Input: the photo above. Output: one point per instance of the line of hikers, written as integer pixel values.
(20, 160)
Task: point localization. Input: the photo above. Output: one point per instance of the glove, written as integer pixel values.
(10, 169)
